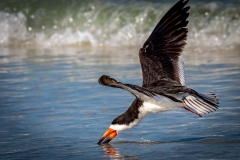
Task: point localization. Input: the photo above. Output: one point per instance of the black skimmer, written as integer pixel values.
(163, 87)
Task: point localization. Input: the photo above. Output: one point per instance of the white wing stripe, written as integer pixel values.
(181, 71)
(192, 106)
(202, 108)
(208, 108)
(199, 105)
(198, 108)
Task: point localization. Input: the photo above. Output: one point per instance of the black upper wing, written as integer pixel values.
(159, 56)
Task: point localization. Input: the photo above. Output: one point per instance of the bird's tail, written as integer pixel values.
(201, 103)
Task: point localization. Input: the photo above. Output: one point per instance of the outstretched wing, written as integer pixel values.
(159, 56)
(194, 102)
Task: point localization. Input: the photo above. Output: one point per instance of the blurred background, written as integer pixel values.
(107, 23)
(53, 52)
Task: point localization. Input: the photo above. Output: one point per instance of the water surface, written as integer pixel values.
(52, 54)
(53, 107)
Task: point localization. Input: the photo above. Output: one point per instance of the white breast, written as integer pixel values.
(151, 105)
(158, 104)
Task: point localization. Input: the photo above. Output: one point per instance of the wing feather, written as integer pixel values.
(159, 56)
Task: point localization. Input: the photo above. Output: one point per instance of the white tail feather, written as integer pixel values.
(202, 103)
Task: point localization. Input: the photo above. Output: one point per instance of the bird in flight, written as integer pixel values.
(163, 86)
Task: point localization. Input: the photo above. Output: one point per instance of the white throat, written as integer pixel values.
(123, 127)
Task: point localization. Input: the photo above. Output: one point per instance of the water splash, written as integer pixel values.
(94, 23)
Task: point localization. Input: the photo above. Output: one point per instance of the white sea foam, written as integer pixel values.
(12, 28)
(211, 26)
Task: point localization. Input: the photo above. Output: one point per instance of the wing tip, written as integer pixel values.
(172, 22)
(106, 80)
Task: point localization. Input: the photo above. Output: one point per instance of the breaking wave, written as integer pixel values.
(107, 23)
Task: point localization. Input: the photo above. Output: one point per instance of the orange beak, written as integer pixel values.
(108, 136)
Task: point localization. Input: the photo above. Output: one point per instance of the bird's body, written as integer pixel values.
(163, 87)
(156, 105)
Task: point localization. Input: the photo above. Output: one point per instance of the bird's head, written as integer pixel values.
(125, 121)
(117, 125)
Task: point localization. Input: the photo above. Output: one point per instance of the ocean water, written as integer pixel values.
(53, 107)
(52, 54)
(108, 23)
